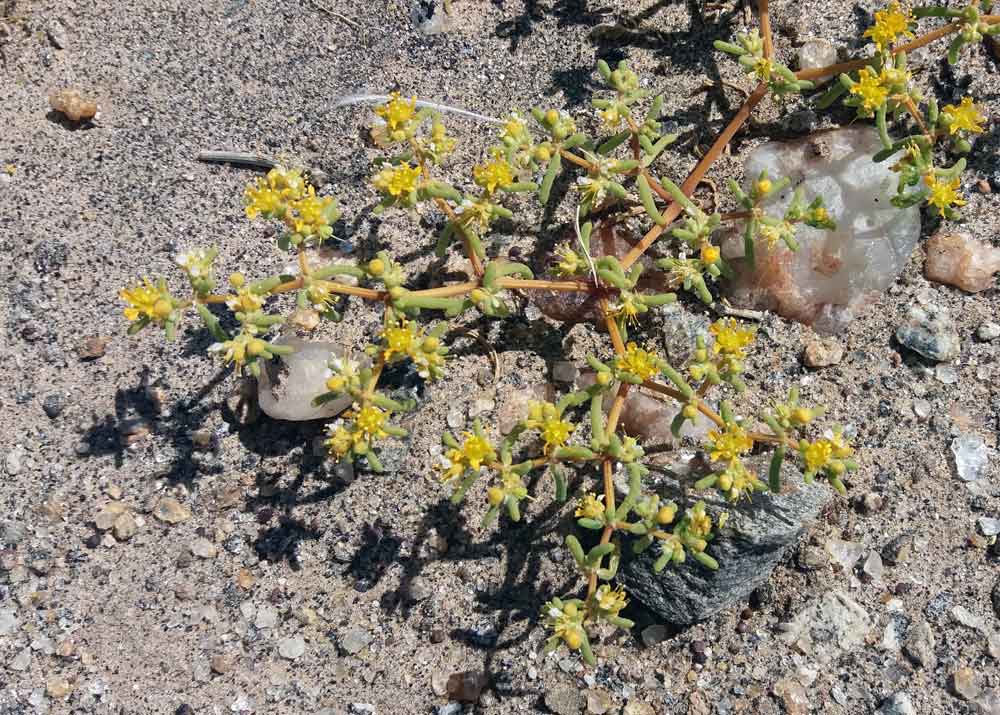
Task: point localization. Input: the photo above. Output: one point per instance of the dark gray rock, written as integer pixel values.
(758, 533)
(930, 331)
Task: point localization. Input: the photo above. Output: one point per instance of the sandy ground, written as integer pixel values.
(385, 562)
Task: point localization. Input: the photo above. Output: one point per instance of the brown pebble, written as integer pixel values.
(92, 347)
(960, 260)
(822, 353)
(984, 186)
(73, 104)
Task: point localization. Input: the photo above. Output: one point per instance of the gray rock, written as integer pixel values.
(14, 461)
(898, 704)
(758, 533)
(565, 700)
(354, 641)
(988, 331)
(930, 331)
(833, 625)
(292, 648)
(564, 371)
(53, 405)
(919, 646)
(988, 526)
(57, 35)
(966, 683)
(8, 621)
(970, 456)
(21, 661)
(288, 386)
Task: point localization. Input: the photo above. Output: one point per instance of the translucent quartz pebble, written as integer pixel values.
(834, 274)
(970, 455)
(960, 260)
(288, 385)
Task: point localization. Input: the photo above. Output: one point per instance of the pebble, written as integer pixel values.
(793, 696)
(970, 456)
(354, 641)
(898, 704)
(930, 332)
(565, 700)
(922, 409)
(108, 515)
(286, 389)
(946, 374)
(654, 635)
(57, 35)
(967, 618)
(292, 648)
(125, 527)
(993, 645)
(14, 461)
(362, 708)
(965, 683)
(58, 687)
(822, 353)
(221, 664)
(988, 331)
(844, 553)
(267, 617)
(21, 661)
(203, 548)
(919, 646)
(598, 702)
(816, 53)
(637, 708)
(53, 405)
(92, 347)
(8, 621)
(898, 550)
(960, 260)
(467, 686)
(872, 568)
(450, 709)
(170, 511)
(564, 371)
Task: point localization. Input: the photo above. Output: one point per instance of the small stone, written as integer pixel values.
(922, 409)
(844, 553)
(92, 347)
(267, 617)
(898, 550)
(654, 635)
(354, 641)
(564, 371)
(970, 457)
(286, 387)
(108, 515)
(872, 567)
(201, 438)
(13, 462)
(203, 548)
(967, 618)
(73, 105)
(988, 526)
(965, 683)
(58, 687)
(822, 353)
(125, 527)
(988, 331)
(467, 686)
(53, 405)
(816, 53)
(960, 260)
(598, 702)
(171, 511)
(362, 709)
(832, 625)
(930, 332)
(993, 645)
(946, 374)
(56, 33)
(8, 622)
(995, 598)
(919, 646)
(898, 704)
(21, 661)
(456, 417)
(870, 503)
(792, 695)
(221, 664)
(565, 700)
(417, 590)
(637, 708)
(450, 709)
(292, 648)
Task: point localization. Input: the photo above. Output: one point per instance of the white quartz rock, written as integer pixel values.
(288, 385)
(834, 274)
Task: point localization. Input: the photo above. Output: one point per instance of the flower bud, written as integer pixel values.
(376, 267)
(551, 117)
(802, 415)
(256, 347)
(495, 495)
(162, 308)
(666, 514)
(236, 280)
(430, 344)
(573, 640)
(603, 378)
(763, 187)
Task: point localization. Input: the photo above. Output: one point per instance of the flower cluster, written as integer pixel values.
(405, 339)
(547, 418)
(286, 195)
(891, 24)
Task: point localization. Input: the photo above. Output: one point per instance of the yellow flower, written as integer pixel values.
(245, 301)
(398, 115)
(699, 523)
(365, 425)
(771, 234)
(817, 455)
(590, 507)
(730, 443)
(312, 214)
(147, 301)
(515, 131)
(339, 441)
(610, 600)
(871, 89)
(370, 420)
(890, 24)
(566, 623)
(270, 195)
(611, 117)
(736, 481)
(472, 454)
(400, 339)
(965, 116)
(497, 174)
(710, 254)
(730, 338)
(841, 449)
(570, 263)
(943, 195)
(641, 363)
(555, 432)
(763, 68)
(475, 214)
(398, 182)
